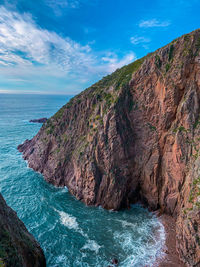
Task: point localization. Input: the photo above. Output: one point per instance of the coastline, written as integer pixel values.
(171, 258)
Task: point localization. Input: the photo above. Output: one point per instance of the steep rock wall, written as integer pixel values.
(133, 136)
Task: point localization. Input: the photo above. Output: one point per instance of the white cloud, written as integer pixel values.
(114, 63)
(153, 23)
(139, 40)
(23, 42)
(59, 5)
(30, 53)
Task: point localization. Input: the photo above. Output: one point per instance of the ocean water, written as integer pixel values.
(70, 233)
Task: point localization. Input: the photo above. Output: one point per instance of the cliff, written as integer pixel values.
(17, 246)
(133, 136)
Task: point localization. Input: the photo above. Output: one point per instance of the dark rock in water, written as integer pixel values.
(133, 136)
(115, 261)
(41, 120)
(18, 248)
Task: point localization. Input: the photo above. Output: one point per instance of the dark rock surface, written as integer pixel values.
(41, 120)
(18, 248)
(133, 136)
(115, 261)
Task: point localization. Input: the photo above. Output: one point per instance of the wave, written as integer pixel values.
(126, 224)
(68, 220)
(91, 245)
(71, 223)
(144, 244)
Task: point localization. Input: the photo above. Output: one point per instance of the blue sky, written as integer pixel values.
(64, 46)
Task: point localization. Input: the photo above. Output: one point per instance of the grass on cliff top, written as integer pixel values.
(120, 77)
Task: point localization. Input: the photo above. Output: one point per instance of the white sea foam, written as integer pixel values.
(62, 190)
(125, 224)
(142, 253)
(92, 245)
(60, 260)
(68, 220)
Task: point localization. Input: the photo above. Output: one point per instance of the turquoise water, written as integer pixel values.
(70, 233)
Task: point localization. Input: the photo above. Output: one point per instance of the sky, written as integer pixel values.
(64, 46)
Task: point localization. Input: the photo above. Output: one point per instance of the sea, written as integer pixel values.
(70, 233)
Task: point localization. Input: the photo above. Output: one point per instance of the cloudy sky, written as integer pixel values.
(63, 46)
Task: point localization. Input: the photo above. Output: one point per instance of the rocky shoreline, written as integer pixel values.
(171, 258)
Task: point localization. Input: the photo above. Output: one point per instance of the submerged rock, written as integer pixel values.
(115, 261)
(18, 248)
(42, 120)
(133, 136)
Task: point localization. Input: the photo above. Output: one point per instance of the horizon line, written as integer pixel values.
(34, 93)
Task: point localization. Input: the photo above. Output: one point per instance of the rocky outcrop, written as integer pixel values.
(133, 136)
(17, 246)
(41, 120)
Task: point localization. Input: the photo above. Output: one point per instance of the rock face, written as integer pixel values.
(133, 136)
(17, 246)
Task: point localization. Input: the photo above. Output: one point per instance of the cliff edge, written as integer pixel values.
(133, 136)
(17, 246)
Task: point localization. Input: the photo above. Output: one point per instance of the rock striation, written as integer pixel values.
(133, 136)
(17, 246)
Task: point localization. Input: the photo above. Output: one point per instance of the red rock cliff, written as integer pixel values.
(133, 136)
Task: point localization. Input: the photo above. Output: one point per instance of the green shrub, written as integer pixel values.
(167, 67)
(151, 127)
(191, 197)
(197, 122)
(182, 129)
(186, 38)
(59, 113)
(130, 106)
(171, 50)
(97, 117)
(158, 62)
(198, 43)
